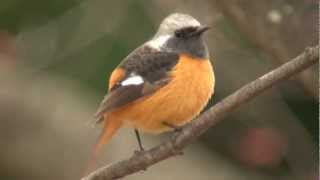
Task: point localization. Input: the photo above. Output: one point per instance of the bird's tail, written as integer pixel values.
(111, 125)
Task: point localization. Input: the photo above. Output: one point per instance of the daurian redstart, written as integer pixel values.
(161, 85)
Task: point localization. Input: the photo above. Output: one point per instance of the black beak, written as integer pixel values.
(192, 31)
(201, 30)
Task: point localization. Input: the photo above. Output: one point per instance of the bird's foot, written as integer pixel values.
(139, 152)
(173, 126)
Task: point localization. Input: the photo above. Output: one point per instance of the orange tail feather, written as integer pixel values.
(110, 127)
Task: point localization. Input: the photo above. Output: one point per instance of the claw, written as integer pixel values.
(174, 127)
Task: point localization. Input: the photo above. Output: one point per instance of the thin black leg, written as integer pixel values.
(139, 139)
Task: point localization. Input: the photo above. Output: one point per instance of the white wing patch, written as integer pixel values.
(132, 80)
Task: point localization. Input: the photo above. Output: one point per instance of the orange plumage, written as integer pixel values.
(176, 103)
(115, 77)
(161, 85)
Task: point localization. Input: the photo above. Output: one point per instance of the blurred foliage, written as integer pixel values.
(92, 63)
(104, 54)
(17, 14)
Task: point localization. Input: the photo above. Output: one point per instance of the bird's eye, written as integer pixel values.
(185, 32)
(179, 33)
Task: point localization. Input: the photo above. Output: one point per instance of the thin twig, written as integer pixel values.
(209, 118)
(274, 42)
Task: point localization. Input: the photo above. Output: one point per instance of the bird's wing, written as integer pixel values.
(143, 72)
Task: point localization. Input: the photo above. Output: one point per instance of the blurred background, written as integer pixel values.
(56, 57)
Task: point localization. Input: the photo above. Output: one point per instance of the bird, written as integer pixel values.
(161, 85)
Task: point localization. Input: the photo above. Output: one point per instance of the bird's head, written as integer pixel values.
(181, 33)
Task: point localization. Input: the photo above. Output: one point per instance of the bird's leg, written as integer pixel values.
(175, 127)
(139, 141)
(137, 152)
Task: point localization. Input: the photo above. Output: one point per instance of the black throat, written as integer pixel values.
(194, 46)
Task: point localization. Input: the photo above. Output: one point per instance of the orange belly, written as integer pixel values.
(177, 103)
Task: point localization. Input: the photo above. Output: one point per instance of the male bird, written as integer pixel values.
(161, 85)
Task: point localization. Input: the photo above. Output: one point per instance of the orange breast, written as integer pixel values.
(177, 103)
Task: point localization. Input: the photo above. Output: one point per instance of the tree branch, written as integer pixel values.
(249, 17)
(192, 131)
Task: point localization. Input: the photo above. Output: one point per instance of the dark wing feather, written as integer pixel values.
(152, 66)
(118, 98)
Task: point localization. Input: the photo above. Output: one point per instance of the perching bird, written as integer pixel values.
(161, 85)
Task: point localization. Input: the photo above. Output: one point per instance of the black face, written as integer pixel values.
(185, 32)
(190, 31)
(188, 40)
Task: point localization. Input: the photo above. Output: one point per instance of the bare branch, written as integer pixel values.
(209, 118)
(273, 38)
